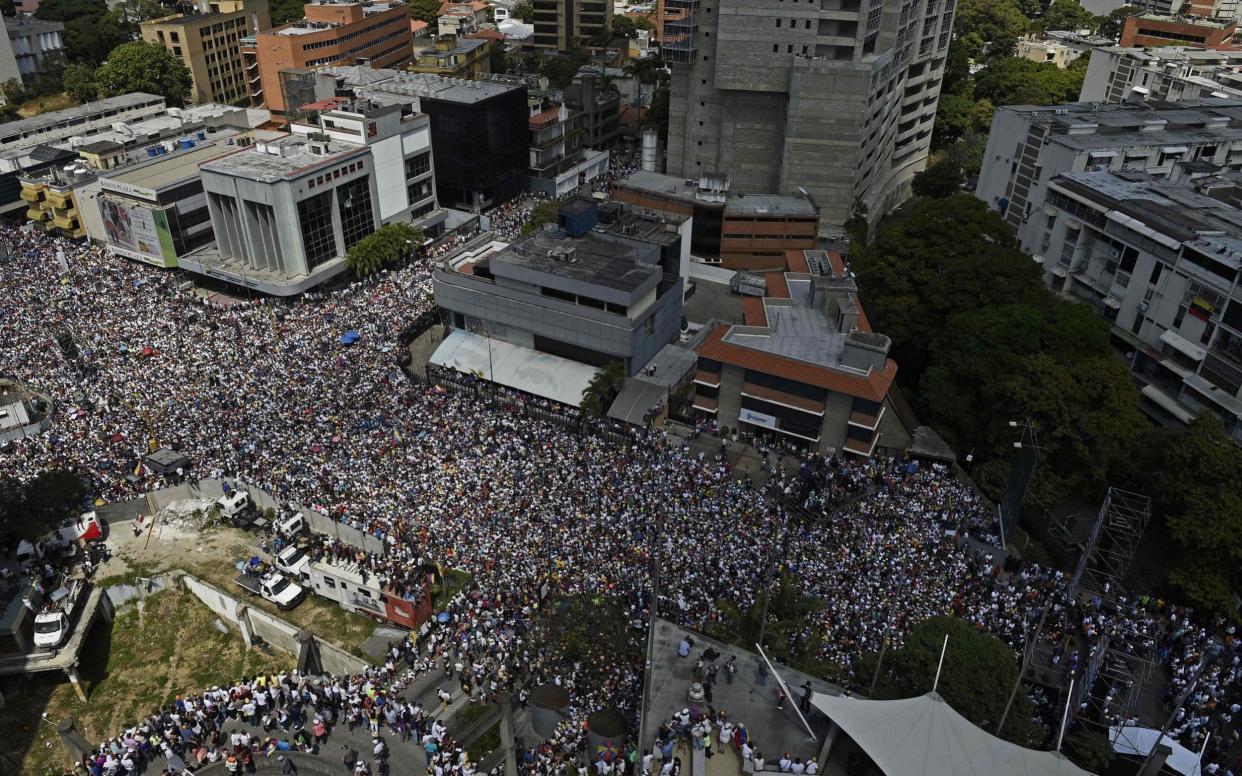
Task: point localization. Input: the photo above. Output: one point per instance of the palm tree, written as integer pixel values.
(603, 389)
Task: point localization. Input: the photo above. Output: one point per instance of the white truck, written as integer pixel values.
(293, 561)
(273, 586)
(54, 623)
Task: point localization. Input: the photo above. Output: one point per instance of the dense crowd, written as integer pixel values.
(267, 392)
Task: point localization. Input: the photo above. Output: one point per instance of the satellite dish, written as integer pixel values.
(543, 83)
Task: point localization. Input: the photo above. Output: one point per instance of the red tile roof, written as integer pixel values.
(487, 35)
(838, 263)
(752, 311)
(795, 261)
(417, 25)
(873, 387)
(777, 287)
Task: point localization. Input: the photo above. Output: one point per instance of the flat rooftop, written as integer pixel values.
(26, 26)
(658, 183)
(280, 159)
(78, 113)
(801, 332)
(595, 260)
(440, 87)
(174, 168)
(769, 205)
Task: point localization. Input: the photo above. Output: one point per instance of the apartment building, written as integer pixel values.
(333, 32)
(1160, 261)
(836, 97)
(803, 366)
(1166, 74)
(559, 161)
(598, 101)
(561, 25)
(1158, 30)
(286, 211)
(53, 197)
(1029, 146)
(59, 125)
(454, 57)
(208, 41)
(29, 47)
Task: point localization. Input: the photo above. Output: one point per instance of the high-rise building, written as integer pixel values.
(28, 47)
(835, 96)
(561, 25)
(208, 41)
(334, 32)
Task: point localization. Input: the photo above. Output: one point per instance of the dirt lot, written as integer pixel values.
(209, 554)
(128, 670)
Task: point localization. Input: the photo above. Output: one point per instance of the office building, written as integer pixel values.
(1160, 262)
(559, 302)
(1157, 30)
(17, 163)
(1058, 48)
(803, 366)
(208, 41)
(561, 25)
(559, 163)
(334, 32)
(1211, 9)
(30, 46)
(1029, 146)
(285, 211)
(454, 57)
(53, 195)
(1165, 74)
(737, 231)
(598, 102)
(60, 125)
(836, 97)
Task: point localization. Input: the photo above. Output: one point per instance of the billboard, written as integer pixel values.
(138, 232)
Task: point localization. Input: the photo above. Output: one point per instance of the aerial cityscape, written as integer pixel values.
(621, 388)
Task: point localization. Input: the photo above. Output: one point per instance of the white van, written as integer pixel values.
(233, 503)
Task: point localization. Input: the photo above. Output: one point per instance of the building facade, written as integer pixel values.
(1028, 146)
(559, 163)
(334, 32)
(63, 124)
(1166, 74)
(285, 212)
(454, 57)
(582, 296)
(598, 102)
(208, 42)
(804, 366)
(561, 25)
(1160, 262)
(836, 97)
(32, 45)
(53, 196)
(1157, 30)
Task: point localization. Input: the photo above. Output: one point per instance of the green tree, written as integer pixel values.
(1109, 25)
(960, 115)
(946, 256)
(603, 389)
(561, 69)
(425, 10)
(14, 91)
(497, 59)
(1016, 81)
(1068, 15)
(144, 67)
(91, 30)
(285, 11)
(386, 245)
(1202, 506)
(644, 23)
(942, 178)
(524, 10)
(138, 11)
(79, 82)
(784, 637)
(543, 213)
(978, 673)
(1090, 749)
(44, 502)
(999, 22)
(648, 70)
(624, 27)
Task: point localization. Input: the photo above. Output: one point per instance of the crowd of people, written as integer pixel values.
(265, 391)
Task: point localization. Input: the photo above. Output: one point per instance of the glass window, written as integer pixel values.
(354, 204)
(315, 218)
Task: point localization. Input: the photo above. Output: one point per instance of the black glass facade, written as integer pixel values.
(315, 220)
(481, 148)
(357, 215)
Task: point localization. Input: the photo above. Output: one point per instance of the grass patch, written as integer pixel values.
(129, 669)
(485, 744)
(45, 104)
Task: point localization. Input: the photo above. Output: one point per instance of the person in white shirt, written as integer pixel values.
(760, 763)
(785, 763)
(812, 767)
(798, 767)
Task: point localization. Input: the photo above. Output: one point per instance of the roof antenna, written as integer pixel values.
(943, 649)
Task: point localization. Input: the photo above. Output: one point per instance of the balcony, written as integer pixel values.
(707, 378)
(59, 199)
(32, 195)
(792, 401)
(859, 447)
(35, 214)
(705, 404)
(864, 420)
(66, 222)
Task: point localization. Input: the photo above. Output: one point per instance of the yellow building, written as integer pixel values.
(208, 41)
(52, 199)
(455, 57)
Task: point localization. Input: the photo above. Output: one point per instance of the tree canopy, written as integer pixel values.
(624, 27)
(144, 67)
(1016, 81)
(603, 389)
(998, 22)
(79, 82)
(29, 510)
(386, 245)
(91, 30)
(1109, 25)
(978, 674)
(425, 10)
(1068, 15)
(942, 178)
(285, 11)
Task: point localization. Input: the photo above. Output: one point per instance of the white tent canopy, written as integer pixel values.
(1138, 741)
(924, 736)
(542, 374)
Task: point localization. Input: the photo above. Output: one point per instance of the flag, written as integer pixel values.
(138, 471)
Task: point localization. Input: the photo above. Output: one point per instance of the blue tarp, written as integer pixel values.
(349, 337)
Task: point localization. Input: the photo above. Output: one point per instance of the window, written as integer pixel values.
(315, 220)
(354, 205)
(778, 22)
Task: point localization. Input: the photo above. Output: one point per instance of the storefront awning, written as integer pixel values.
(1183, 345)
(541, 374)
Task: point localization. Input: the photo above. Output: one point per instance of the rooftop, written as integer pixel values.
(769, 205)
(28, 25)
(436, 87)
(284, 158)
(163, 171)
(68, 116)
(1196, 21)
(593, 260)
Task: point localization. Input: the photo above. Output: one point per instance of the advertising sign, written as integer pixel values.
(138, 232)
(756, 418)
